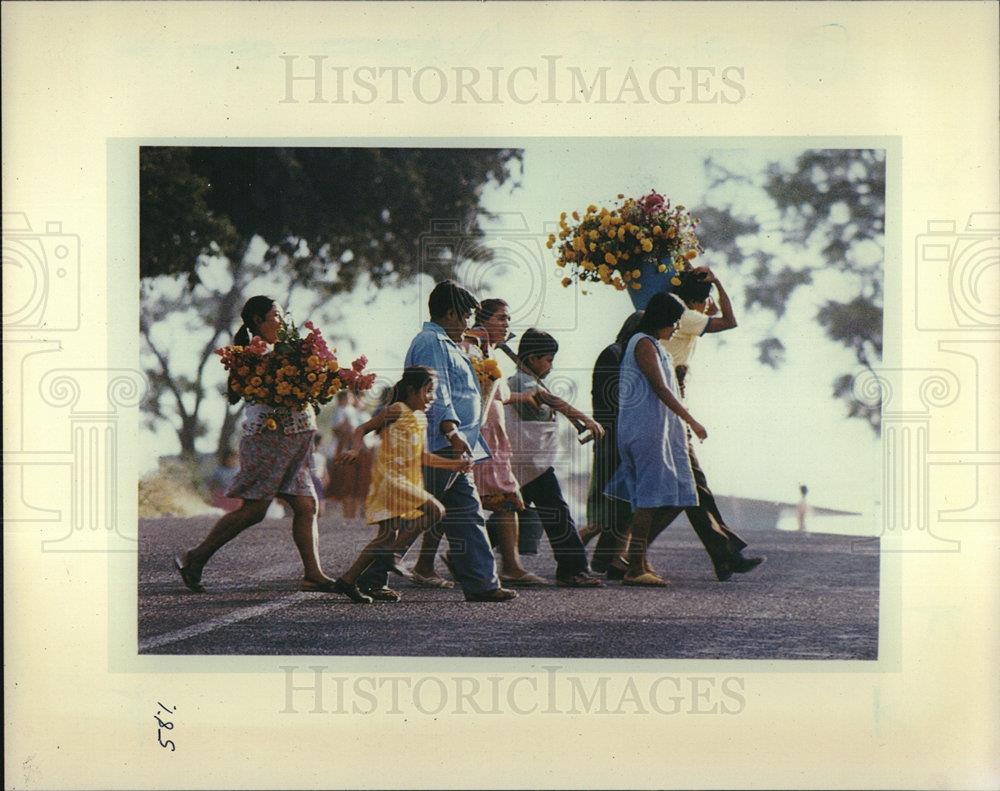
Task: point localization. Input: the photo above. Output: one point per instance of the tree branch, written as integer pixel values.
(164, 370)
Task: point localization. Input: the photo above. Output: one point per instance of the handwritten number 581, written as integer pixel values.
(164, 725)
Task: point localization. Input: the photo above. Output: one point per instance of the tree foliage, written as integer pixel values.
(333, 213)
(325, 219)
(825, 216)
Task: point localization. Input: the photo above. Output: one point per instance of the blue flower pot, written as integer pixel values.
(652, 280)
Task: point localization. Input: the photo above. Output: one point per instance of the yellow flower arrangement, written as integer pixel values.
(604, 245)
(487, 372)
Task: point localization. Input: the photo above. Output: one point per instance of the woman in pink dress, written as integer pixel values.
(498, 489)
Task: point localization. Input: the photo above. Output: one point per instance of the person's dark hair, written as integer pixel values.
(629, 328)
(255, 309)
(694, 287)
(253, 312)
(487, 308)
(413, 378)
(447, 295)
(536, 343)
(662, 311)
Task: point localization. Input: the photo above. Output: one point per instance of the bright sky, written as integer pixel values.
(769, 430)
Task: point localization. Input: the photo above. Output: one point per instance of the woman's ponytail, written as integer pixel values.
(253, 312)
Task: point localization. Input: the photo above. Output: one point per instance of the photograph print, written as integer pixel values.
(594, 398)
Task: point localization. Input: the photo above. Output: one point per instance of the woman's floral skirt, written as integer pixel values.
(274, 463)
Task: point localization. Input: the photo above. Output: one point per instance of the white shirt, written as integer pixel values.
(680, 346)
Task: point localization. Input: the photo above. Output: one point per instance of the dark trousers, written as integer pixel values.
(612, 514)
(545, 494)
(720, 542)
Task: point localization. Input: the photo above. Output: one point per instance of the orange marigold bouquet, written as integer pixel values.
(487, 371)
(609, 245)
(296, 373)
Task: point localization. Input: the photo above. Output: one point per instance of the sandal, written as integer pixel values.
(581, 580)
(192, 581)
(647, 580)
(384, 593)
(352, 592)
(326, 586)
(430, 582)
(526, 580)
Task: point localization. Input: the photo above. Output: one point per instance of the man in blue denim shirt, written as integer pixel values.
(453, 423)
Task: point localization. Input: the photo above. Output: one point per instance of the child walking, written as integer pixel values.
(535, 448)
(397, 501)
(654, 474)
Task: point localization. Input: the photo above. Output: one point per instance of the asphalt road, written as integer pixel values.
(816, 597)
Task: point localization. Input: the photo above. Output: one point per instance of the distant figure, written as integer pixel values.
(803, 508)
(348, 483)
(319, 473)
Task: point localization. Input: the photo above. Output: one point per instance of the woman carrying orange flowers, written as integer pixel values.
(275, 461)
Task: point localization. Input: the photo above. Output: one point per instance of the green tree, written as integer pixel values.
(325, 219)
(825, 214)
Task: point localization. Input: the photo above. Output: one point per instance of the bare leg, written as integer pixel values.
(350, 505)
(306, 536)
(396, 536)
(433, 512)
(642, 521)
(386, 534)
(224, 531)
(662, 517)
(428, 551)
(507, 534)
(589, 533)
(621, 549)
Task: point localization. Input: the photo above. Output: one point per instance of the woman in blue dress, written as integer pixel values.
(655, 474)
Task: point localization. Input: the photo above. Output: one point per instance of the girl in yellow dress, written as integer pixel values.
(397, 500)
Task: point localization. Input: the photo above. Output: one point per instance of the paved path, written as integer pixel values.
(816, 597)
